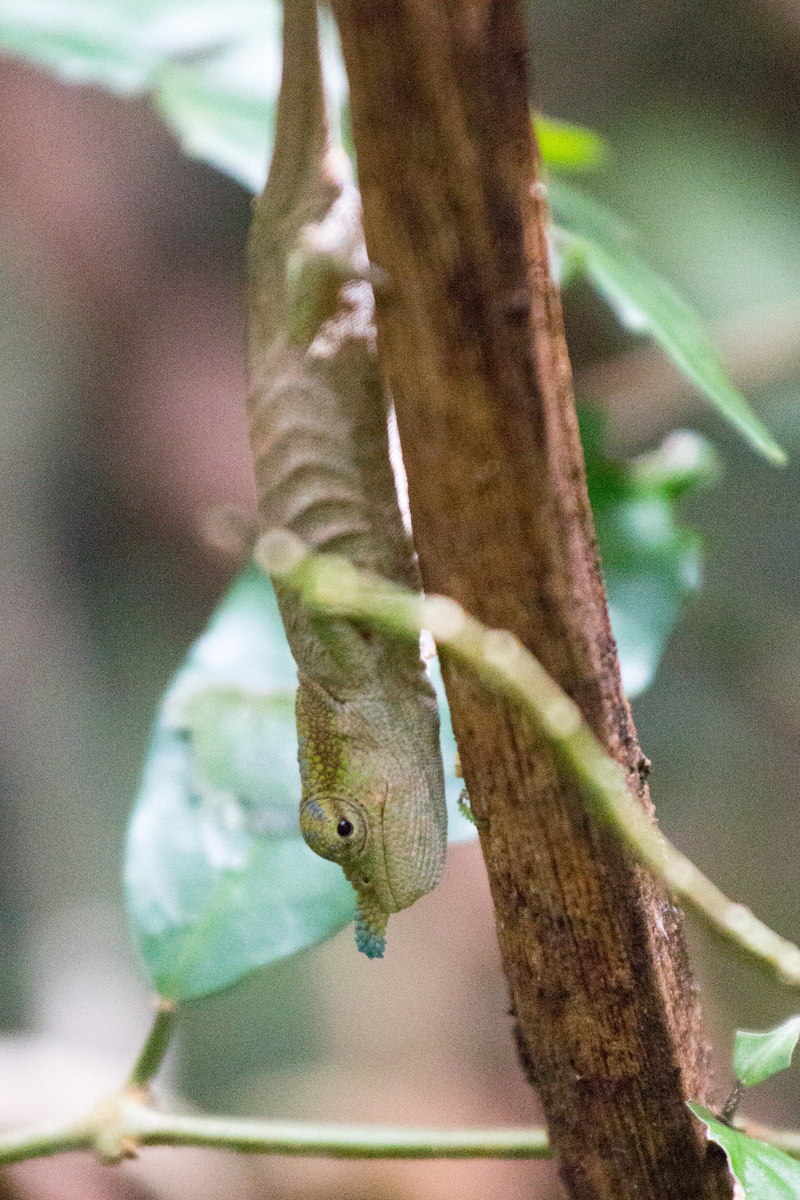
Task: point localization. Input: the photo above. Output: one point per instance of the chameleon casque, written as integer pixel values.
(367, 721)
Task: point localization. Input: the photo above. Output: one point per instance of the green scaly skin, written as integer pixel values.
(368, 728)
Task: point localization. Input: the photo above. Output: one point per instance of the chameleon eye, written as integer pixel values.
(334, 828)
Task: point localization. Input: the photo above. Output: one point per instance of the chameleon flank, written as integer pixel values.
(367, 722)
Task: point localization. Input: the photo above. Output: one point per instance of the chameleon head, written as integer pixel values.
(373, 805)
(342, 830)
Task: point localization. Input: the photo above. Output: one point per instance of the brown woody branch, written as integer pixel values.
(471, 341)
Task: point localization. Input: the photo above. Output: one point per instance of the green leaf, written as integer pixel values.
(218, 879)
(756, 1056)
(213, 70)
(222, 105)
(567, 147)
(650, 563)
(215, 114)
(121, 44)
(763, 1172)
(85, 41)
(593, 241)
(211, 893)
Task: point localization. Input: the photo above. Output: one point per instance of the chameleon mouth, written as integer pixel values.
(412, 851)
(393, 905)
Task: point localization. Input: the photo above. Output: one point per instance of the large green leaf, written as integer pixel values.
(591, 240)
(756, 1056)
(218, 879)
(88, 41)
(764, 1172)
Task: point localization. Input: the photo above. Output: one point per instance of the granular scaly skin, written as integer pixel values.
(367, 722)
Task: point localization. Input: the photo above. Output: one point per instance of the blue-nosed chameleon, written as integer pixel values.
(367, 722)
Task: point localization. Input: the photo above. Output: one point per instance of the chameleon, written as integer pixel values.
(367, 722)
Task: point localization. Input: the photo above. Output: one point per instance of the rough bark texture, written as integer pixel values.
(471, 340)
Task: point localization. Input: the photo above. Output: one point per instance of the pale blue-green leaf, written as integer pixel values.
(210, 895)
(764, 1172)
(756, 1056)
(590, 237)
(218, 879)
(650, 566)
(245, 757)
(221, 106)
(81, 41)
(120, 44)
(650, 562)
(217, 120)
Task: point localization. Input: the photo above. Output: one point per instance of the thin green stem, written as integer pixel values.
(154, 1049)
(332, 585)
(123, 1125)
(150, 1128)
(45, 1141)
(119, 1128)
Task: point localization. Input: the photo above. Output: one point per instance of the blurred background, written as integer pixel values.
(122, 422)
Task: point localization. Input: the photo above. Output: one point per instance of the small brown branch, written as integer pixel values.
(472, 345)
(332, 585)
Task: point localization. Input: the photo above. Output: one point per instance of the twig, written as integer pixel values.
(136, 1125)
(732, 1103)
(333, 586)
(154, 1049)
(45, 1141)
(151, 1128)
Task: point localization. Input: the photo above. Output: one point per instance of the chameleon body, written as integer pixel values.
(367, 722)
